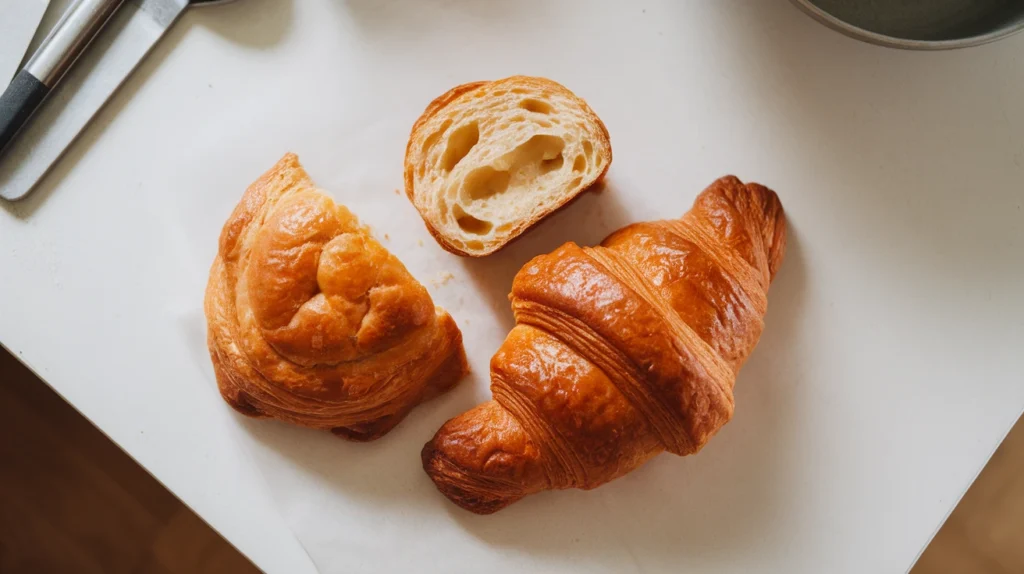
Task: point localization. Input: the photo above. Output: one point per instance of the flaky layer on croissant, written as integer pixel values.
(311, 321)
(619, 352)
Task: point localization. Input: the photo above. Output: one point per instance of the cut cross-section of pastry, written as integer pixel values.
(488, 160)
(311, 321)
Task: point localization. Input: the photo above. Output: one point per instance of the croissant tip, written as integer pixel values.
(775, 224)
(452, 481)
(360, 433)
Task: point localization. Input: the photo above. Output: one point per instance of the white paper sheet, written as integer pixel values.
(896, 312)
(371, 508)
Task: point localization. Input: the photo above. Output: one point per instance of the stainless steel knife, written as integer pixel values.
(57, 113)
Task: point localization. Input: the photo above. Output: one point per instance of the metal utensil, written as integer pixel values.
(124, 31)
(18, 22)
(920, 24)
(59, 50)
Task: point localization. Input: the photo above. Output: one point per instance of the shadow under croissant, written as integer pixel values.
(678, 508)
(379, 471)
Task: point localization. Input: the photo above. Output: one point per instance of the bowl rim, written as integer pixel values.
(859, 33)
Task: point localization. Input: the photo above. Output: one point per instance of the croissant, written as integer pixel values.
(619, 352)
(311, 321)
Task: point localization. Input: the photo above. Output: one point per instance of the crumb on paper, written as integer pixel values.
(387, 237)
(442, 278)
(397, 192)
(419, 242)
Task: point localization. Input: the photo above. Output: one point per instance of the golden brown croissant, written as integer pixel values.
(313, 322)
(619, 352)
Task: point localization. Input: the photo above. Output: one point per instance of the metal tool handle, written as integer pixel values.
(68, 39)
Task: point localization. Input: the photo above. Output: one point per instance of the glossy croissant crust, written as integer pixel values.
(619, 352)
(311, 321)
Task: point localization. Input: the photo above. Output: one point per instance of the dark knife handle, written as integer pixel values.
(18, 103)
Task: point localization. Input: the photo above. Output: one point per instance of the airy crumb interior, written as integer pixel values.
(497, 159)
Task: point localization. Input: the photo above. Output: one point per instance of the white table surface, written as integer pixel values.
(892, 363)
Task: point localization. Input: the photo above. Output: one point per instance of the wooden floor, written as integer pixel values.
(986, 531)
(72, 502)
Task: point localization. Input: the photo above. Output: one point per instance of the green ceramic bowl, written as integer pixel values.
(920, 24)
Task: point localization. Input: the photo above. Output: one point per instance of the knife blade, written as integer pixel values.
(17, 26)
(125, 40)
